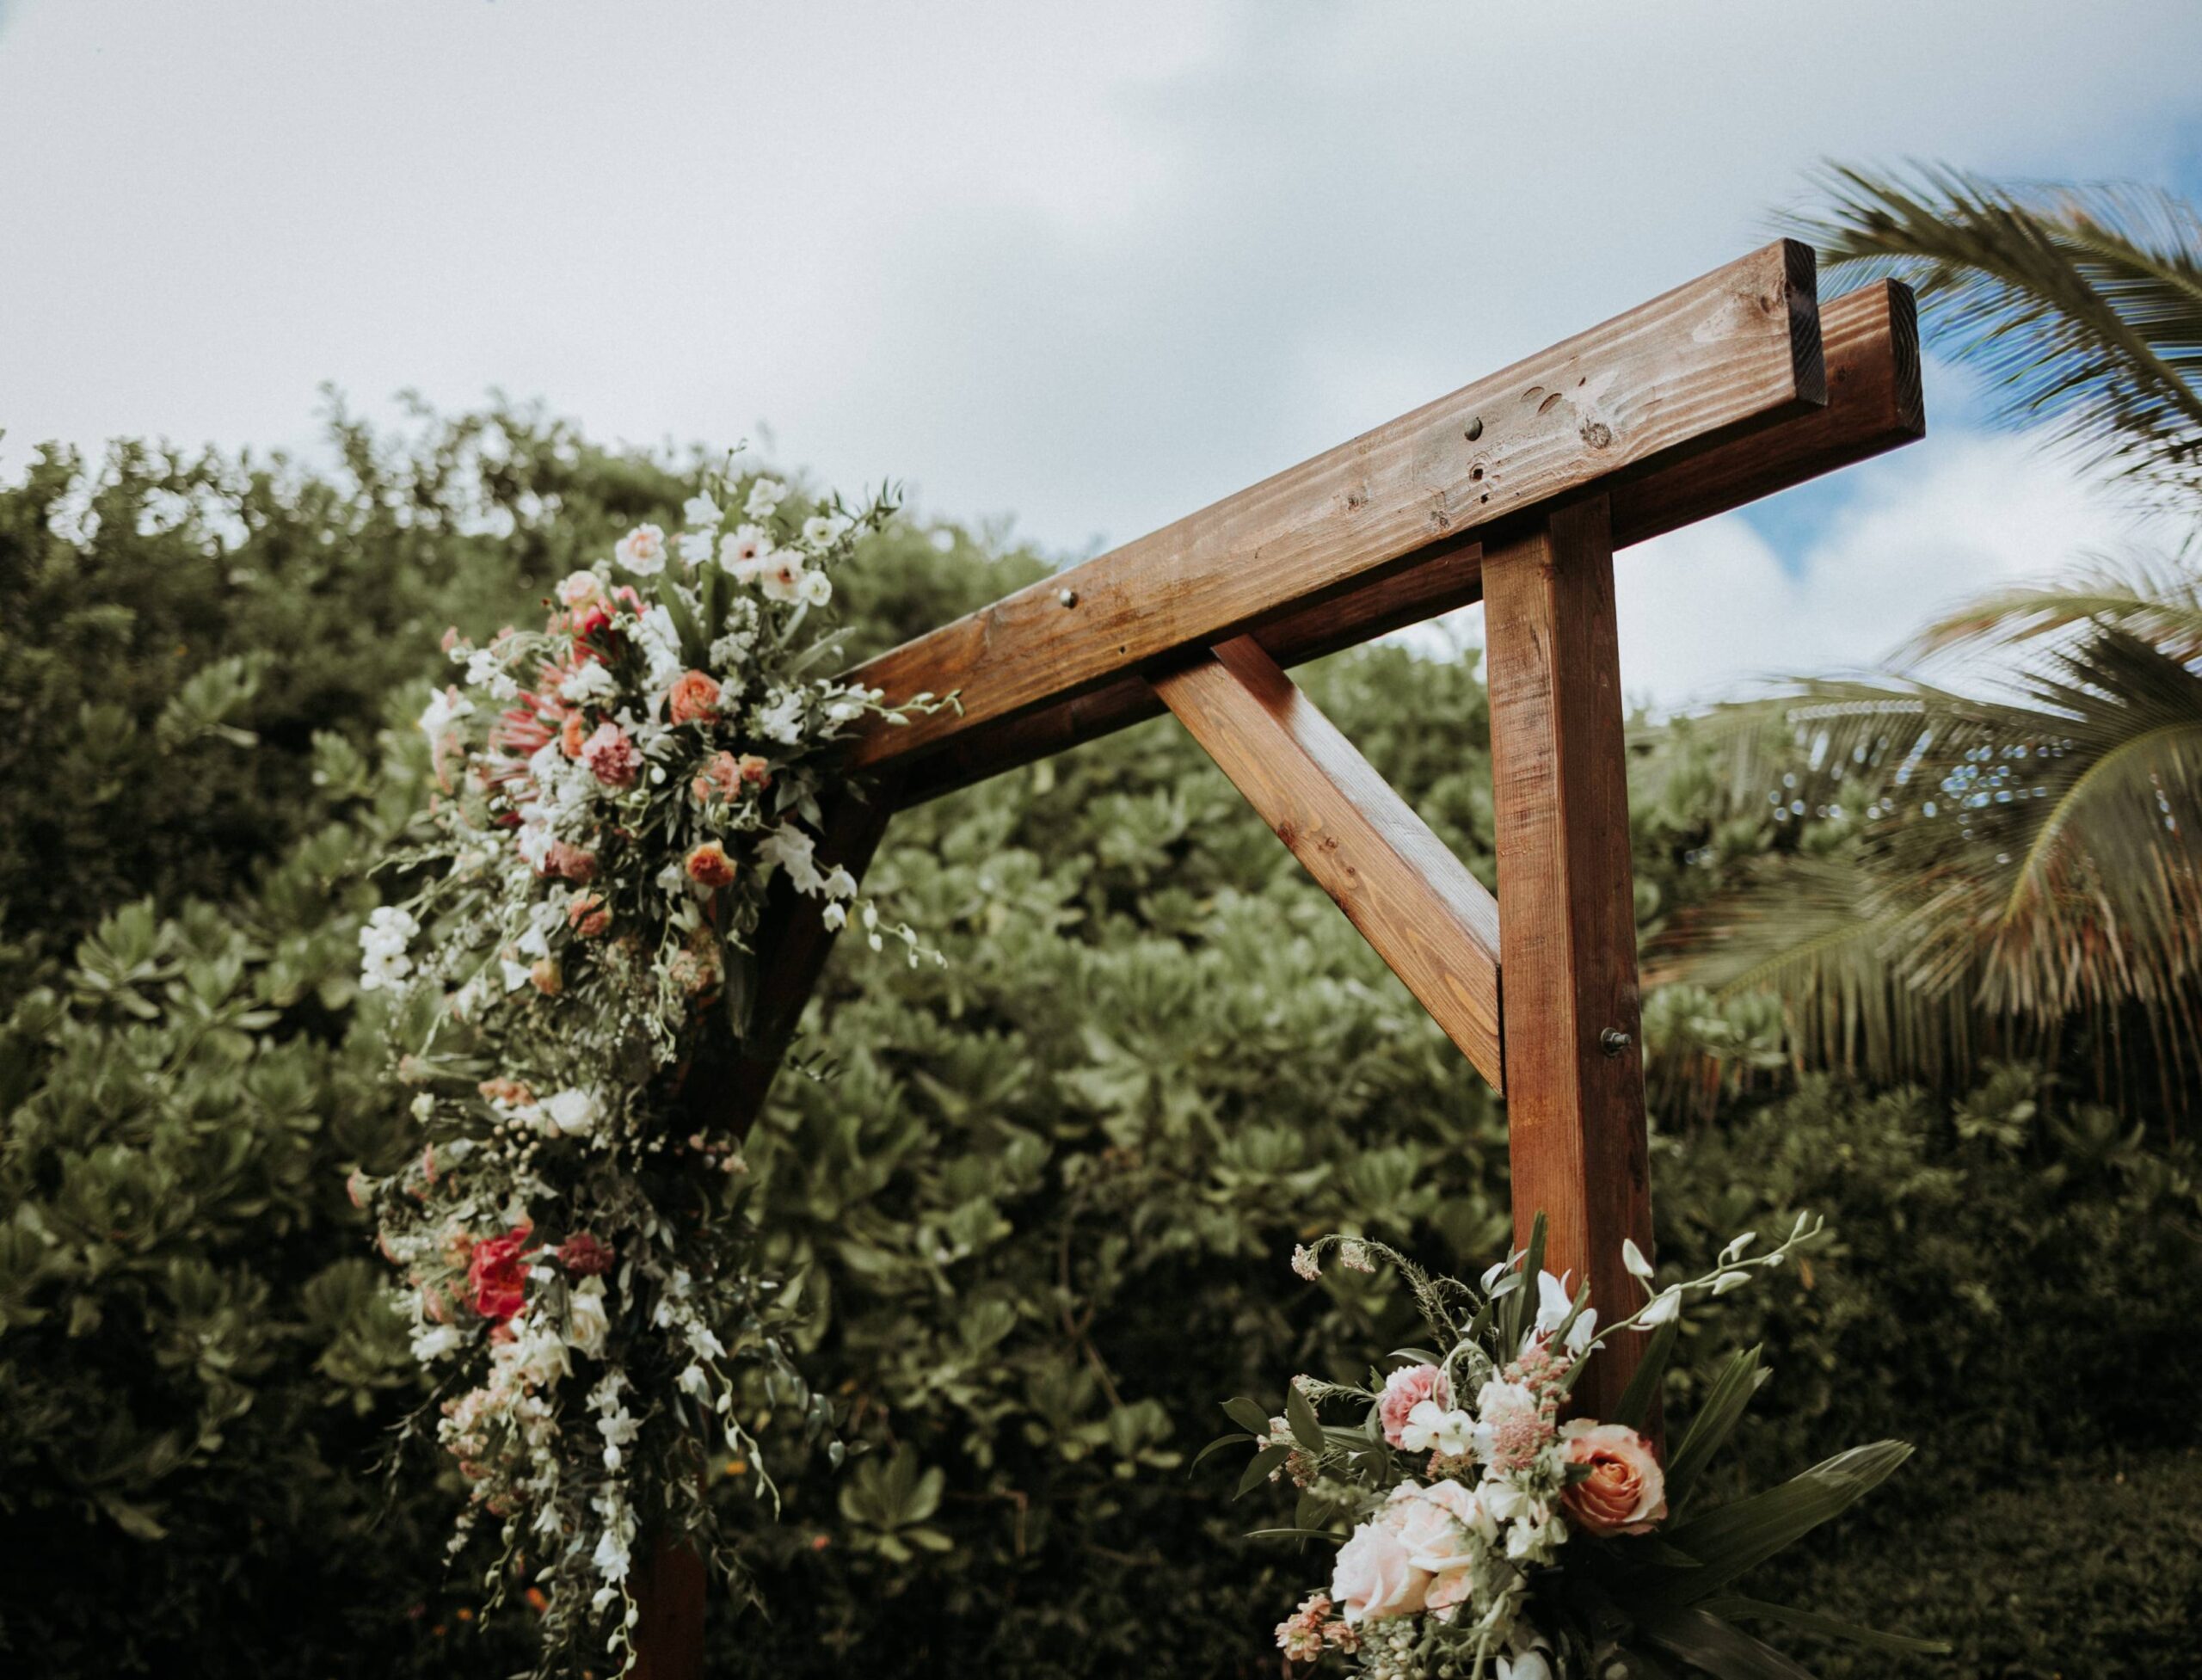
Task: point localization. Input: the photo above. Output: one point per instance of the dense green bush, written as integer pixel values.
(1042, 1207)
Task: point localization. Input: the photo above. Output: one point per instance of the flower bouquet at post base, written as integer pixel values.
(1484, 1534)
(619, 791)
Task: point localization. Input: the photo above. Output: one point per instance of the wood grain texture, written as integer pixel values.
(1574, 1112)
(1734, 350)
(1872, 343)
(668, 1585)
(1427, 918)
(793, 943)
(1874, 405)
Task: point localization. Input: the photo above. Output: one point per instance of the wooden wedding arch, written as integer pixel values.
(1513, 490)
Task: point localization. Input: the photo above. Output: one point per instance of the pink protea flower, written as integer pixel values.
(611, 756)
(1407, 1388)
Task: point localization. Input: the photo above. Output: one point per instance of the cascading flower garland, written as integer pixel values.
(1484, 1535)
(619, 791)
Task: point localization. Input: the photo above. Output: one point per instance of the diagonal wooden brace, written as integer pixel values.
(1429, 918)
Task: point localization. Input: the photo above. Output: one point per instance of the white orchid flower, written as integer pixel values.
(1632, 1258)
(1431, 1428)
(1665, 1307)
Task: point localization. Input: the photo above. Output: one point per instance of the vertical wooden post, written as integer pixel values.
(1567, 913)
(669, 1581)
(793, 943)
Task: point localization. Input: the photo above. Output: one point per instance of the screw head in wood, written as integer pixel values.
(1612, 1041)
(1068, 597)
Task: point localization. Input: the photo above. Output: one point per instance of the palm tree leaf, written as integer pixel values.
(2083, 303)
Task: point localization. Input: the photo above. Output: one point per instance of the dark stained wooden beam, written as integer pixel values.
(1732, 351)
(1872, 343)
(793, 943)
(1431, 921)
(1559, 794)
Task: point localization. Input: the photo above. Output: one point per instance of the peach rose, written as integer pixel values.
(719, 777)
(588, 916)
(544, 974)
(1407, 1388)
(1626, 1491)
(709, 866)
(573, 735)
(1376, 1577)
(694, 698)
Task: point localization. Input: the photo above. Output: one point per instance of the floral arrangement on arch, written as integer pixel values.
(1484, 1533)
(618, 791)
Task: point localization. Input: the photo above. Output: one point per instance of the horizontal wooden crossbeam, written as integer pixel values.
(1733, 351)
(1870, 343)
(1431, 921)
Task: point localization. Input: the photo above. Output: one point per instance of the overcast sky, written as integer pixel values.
(1088, 265)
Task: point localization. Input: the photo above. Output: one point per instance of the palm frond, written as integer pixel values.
(2022, 860)
(2151, 597)
(2083, 303)
(1836, 942)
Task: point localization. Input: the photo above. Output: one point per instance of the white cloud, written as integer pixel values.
(1094, 265)
(1707, 610)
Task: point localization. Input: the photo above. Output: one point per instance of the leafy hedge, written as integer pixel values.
(1041, 1207)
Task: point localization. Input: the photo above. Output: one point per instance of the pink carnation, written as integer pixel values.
(611, 756)
(1404, 1390)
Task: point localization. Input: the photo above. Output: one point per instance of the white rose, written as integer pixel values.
(642, 551)
(819, 530)
(1375, 1576)
(589, 1321)
(573, 1112)
(815, 588)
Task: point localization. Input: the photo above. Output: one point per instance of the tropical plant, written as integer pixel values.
(1998, 834)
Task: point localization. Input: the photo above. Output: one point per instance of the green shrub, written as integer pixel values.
(1044, 1205)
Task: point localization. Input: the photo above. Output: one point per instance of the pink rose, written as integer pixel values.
(611, 756)
(1626, 1491)
(1404, 1390)
(1376, 1576)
